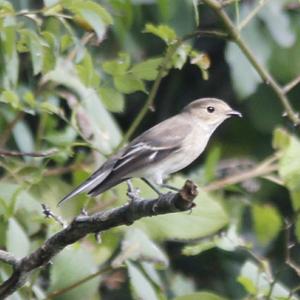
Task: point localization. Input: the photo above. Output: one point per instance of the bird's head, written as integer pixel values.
(211, 111)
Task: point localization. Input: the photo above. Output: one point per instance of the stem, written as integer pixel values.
(264, 74)
(46, 153)
(260, 170)
(77, 283)
(252, 14)
(149, 102)
(288, 87)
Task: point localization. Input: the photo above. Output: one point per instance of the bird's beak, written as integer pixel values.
(234, 113)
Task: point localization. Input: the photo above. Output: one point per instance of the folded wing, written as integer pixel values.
(153, 146)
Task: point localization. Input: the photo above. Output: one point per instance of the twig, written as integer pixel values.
(77, 283)
(83, 41)
(229, 2)
(63, 170)
(49, 214)
(45, 153)
(252, 14)
(273, 283)
(8, 258)
(289, 246)
(264, 74)
(288, 87)
(264, 168)
(205, 33)
(101, 221)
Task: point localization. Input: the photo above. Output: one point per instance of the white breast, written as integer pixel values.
(193, 145)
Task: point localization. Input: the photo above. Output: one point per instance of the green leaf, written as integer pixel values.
(136, 245)
(245, 79)
(200, 296)
(181, 284)
(289, 170)
(228, 241)
(21, 204)
(63, 137)
(92, 13)
(205, 219)
(50, 51)
(70, 266)
(267, 222)
(248, 284)
(281, 30)
(164, 32)
(113, 100)
(180, 56)
(10, 62)
(87, 73)
(211, 162)
(29, 99)
(281, 139)
(66, 42)
(141, 287)
(50, 108)
(106, 134)
(147, 70)
(17, 241)
(11, 98)
(35, 46)
(198, 248)
(117, 66)
(260, 280)
(128, 84)
(23, 138)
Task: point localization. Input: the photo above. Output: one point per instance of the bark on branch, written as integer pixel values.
(98, 222)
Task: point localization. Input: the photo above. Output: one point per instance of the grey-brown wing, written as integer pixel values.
(151, 147)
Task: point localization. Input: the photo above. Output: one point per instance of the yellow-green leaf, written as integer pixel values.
(267, 222)
(164, 32)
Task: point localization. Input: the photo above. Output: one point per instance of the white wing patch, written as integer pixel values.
(134, 152)
(152, 156)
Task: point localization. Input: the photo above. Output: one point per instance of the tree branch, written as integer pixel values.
(45, 153)
(98, 222)
(264, 74)
(288, 87)
(8, 258)
(252, 14)
(263, 169)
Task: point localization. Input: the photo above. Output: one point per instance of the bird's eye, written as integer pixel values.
(210, 109)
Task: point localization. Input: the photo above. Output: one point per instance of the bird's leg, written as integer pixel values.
(170, 187)
(153, 187)
(132, 193)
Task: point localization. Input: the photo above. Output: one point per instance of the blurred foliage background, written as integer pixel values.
(79, 78)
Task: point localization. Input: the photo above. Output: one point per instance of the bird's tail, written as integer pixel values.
(92, 182)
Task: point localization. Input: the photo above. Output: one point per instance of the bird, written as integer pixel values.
(166, 148)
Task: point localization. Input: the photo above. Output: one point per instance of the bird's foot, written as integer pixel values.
(170, 187)
(98, 237)
(133, 193)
